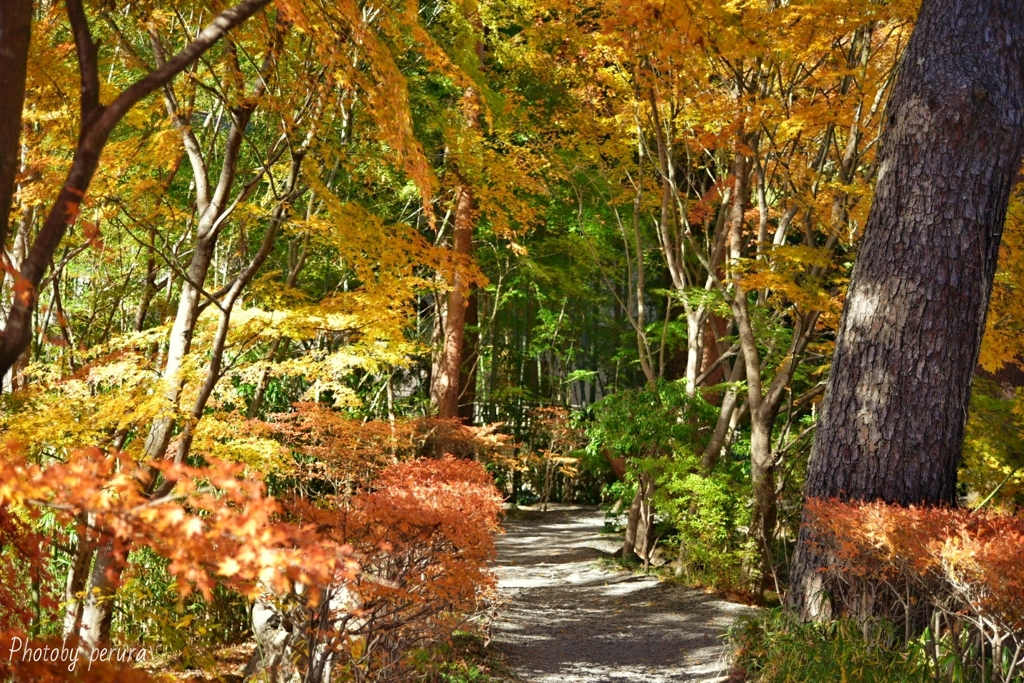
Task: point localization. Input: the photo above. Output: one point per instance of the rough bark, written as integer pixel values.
(893, 417)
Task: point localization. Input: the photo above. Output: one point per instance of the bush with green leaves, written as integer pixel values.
(774, 647)
(151, 613)
(710, 514)
(652, 422)
(660, 430)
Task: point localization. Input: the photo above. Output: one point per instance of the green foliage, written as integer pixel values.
(773, 647)
(653, 422)
(662, 431)
(993, 460)
(464, 659)
(710, 515)
(151, 613)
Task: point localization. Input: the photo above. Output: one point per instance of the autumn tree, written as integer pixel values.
(894, 413)
(731, 163)
(97, 122)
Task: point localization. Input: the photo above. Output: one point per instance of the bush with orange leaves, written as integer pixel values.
(957, 574)
(347, 453)
(351, 582)
(423, 536)
(216, 526)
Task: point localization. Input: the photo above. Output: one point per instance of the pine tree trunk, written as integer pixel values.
(893, 417)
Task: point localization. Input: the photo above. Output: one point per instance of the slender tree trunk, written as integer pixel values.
(13, 380)
(729, 402)
(893, 417)
(633, 522)
(712, 349)
(696, 350)
(78, 575)
(263, 382)
(213, 209)
(639, 520)
(148, 290)
(764, 402)
(15, 35)
(444, 389)
(98, 610)
(467, 375)
(762, 480)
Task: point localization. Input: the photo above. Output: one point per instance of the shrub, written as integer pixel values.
(773, 647)
(661, 432)
(423, 537)
(710, 515)
(957, 575)
(151, 613)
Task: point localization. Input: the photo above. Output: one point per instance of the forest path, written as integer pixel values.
(565, 618)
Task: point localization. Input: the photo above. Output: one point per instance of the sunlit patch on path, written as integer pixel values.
(567, 619)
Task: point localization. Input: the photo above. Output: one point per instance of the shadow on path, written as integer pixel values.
(565, 618)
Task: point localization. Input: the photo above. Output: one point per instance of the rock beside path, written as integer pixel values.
(565, 618)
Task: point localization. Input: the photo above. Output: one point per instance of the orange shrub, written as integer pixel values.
(350, 453)
(423, 536)
(958, 572)
(976, 556)
(22, 562)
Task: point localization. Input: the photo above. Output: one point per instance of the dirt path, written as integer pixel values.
(566, 619)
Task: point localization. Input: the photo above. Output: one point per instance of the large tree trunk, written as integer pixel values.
(893, 417)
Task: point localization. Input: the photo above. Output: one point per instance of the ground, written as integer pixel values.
(566, 617)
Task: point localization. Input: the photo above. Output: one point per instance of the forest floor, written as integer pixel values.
(566, 617)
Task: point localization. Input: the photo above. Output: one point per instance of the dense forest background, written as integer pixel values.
(597, 251)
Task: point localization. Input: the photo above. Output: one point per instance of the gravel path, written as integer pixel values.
(566, 619)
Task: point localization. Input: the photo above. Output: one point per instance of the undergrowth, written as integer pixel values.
(773, 647)
(466, 658)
